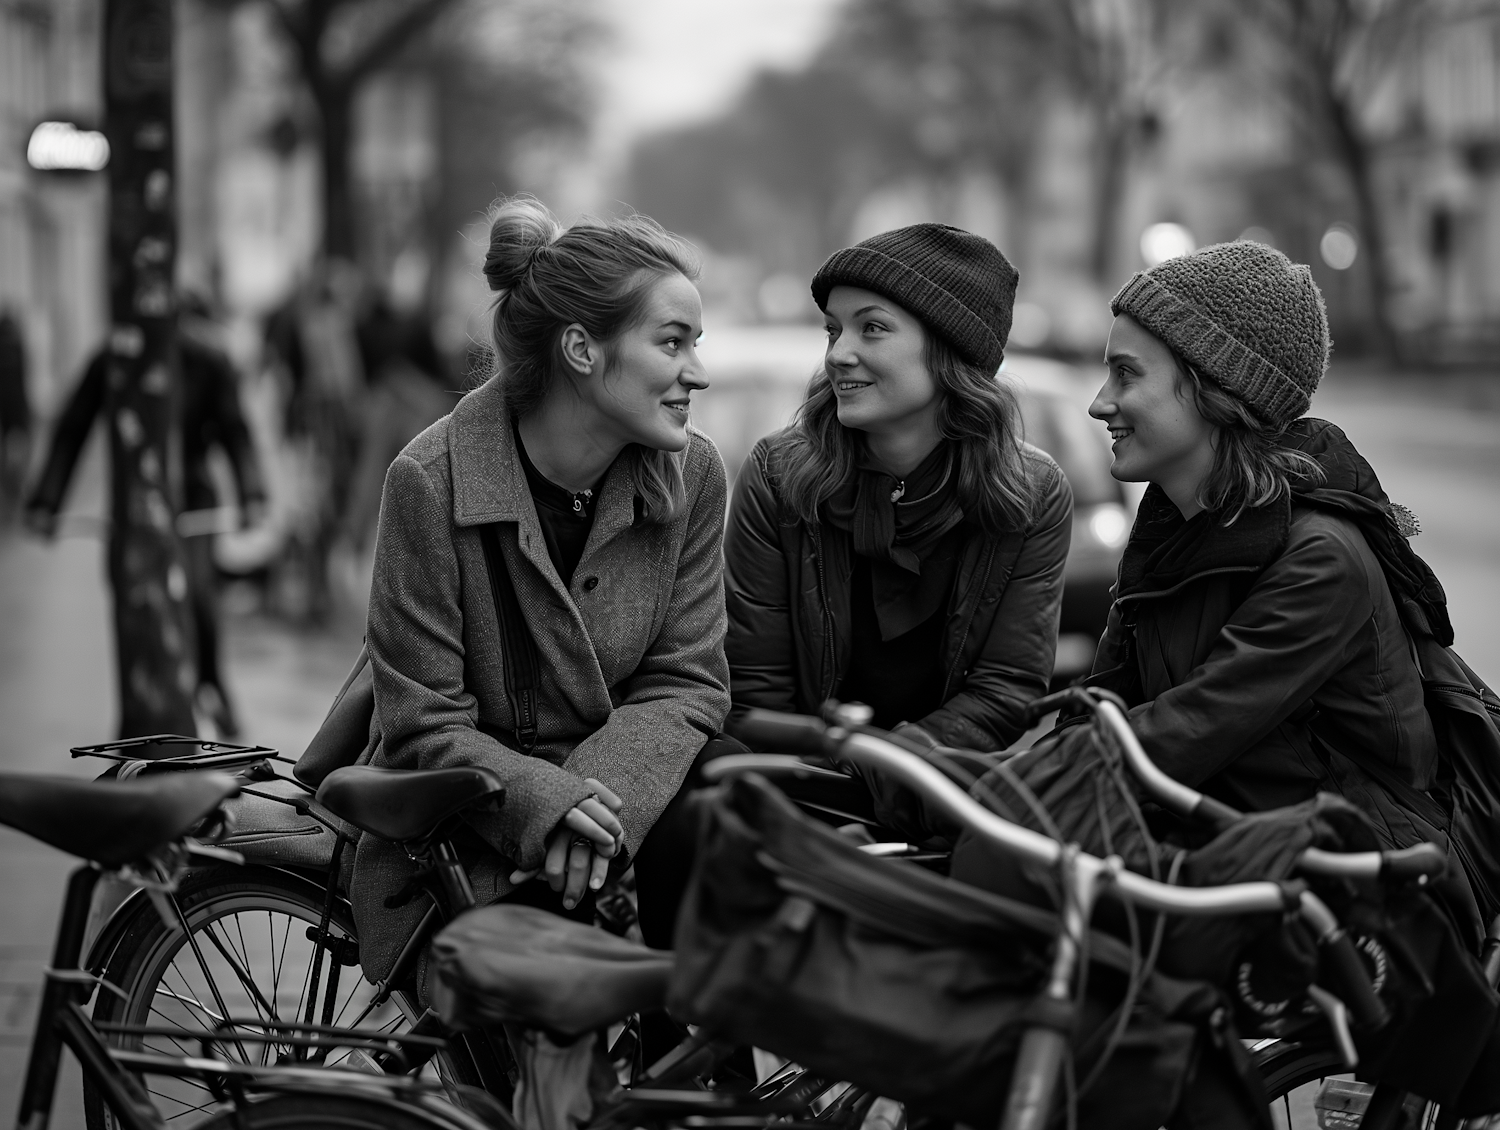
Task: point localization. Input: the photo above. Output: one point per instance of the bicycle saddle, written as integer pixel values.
(530, 967)
(404, 804)
(111, 822)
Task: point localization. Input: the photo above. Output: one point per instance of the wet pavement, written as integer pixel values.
(1434, 442)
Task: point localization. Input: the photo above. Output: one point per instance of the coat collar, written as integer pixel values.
(489, 484)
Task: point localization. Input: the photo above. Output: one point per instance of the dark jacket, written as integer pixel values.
(1267, 660)
(787, 586)
(210, 417)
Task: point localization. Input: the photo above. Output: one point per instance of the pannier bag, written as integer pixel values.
(1440, 1042)
(886, 975)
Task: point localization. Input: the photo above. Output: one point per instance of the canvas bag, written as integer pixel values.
(914, 986)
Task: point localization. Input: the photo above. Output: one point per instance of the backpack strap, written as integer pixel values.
(518, 649)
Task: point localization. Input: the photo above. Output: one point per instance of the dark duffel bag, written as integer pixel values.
(883, 974)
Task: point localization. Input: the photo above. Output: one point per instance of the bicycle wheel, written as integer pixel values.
(302, 1111)
(1296, 1073)
(249, 957)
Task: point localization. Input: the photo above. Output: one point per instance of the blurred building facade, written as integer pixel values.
(52, 225)
(1065, 141)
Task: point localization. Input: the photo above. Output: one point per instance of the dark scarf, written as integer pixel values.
(902, 527)
(1165, 549)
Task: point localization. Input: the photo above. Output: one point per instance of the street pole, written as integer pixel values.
(153, 626)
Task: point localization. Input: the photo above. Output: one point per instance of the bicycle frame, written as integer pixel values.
(61, 1021)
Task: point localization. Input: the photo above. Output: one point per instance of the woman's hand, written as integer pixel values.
(581, 846)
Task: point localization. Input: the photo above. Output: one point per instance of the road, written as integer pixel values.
(1434, 443)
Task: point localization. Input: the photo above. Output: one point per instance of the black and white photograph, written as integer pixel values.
(750, 564)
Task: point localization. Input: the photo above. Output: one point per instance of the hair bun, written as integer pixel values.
(519, 228)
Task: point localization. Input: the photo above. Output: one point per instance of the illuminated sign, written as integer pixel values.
(63, 147)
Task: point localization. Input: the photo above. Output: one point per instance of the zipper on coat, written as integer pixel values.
(958, 655)
(829, 675)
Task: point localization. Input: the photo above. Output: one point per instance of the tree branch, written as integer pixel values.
(390, 41)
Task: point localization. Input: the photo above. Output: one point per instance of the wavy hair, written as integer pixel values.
(596, 273)
(976, 412)
(1251, 466)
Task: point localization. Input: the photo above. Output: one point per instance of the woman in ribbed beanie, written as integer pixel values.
(1260, 617)
(899, 545)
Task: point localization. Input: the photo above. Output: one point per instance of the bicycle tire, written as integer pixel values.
(1293, 1072)
(164, 984)
(305, 1111)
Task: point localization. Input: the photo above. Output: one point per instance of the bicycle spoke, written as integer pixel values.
(191, 1109)
(266, 1008)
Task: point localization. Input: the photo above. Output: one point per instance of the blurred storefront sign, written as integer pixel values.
(66, 147)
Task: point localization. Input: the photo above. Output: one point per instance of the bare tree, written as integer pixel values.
(1111, 55)
(339, 44)
(1327, 56)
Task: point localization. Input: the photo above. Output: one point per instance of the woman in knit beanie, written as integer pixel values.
(899, 545)
(1259, 629)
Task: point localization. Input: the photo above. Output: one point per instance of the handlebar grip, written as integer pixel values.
(769, 729)
(1413, 862)
(1351, 982)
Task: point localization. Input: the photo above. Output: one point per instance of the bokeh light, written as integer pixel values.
(1161, 242)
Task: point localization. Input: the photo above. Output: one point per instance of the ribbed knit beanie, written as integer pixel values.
(1245, 315)
(956, 282)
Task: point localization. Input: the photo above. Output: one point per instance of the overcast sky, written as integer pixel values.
(678, 60)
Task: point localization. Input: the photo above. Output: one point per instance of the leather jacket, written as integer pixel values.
(787, 585)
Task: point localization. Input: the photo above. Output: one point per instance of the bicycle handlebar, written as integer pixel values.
(766, 727)
(1343, 965)
(1420, 862)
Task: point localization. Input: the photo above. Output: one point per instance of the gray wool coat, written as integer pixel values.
(633, 674)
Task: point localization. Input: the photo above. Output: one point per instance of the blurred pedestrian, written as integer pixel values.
(15, 413)
(408, 390)
(210, 419)
(314, 338)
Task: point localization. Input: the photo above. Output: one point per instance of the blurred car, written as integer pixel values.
(1053, 399)
(758, 376)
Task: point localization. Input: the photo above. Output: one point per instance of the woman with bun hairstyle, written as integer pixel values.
(899, 544)
(607, 510)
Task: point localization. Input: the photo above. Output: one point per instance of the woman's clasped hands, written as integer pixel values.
(581, 846)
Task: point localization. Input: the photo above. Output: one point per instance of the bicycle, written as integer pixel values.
(1288, 1066)
(146, 832)
(276, 939)
(304, 922)
(846, 738)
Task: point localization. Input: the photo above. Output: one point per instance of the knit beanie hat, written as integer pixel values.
(1245, 316)
(956, 282)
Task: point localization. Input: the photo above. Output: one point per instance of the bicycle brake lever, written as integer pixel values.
(1338, 1019)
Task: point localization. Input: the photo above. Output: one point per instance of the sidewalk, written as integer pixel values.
(57, 690)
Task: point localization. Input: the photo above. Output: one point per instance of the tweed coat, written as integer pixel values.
(631, 655)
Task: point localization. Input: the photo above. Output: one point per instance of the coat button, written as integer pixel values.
(590, 584)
